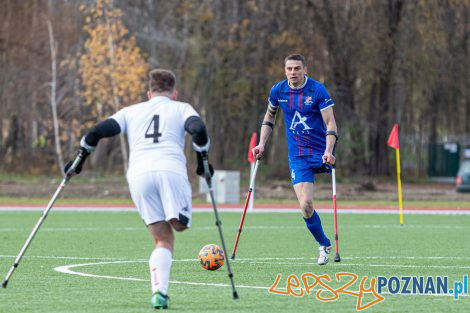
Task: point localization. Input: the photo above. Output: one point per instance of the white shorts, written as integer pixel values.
(162, 196)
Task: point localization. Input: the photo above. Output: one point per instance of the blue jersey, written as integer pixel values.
(305, 128)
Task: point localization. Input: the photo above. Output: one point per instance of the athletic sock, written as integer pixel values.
(160, 265)
(314, 226)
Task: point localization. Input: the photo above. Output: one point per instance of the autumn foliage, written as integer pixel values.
(112, 69)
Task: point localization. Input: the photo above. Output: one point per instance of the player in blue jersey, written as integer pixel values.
(311, 136)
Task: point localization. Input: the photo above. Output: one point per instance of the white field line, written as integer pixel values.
(204, 228)
(257, 260)
(73, 258)
(362, 265)
(74, 229)
(66, 269)
(256, 211)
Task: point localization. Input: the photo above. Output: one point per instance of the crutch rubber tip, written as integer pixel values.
(235, 295)
(5, 283)
(337, 258)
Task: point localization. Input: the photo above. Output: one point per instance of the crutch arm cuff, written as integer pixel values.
(332, 133)
(268, 123)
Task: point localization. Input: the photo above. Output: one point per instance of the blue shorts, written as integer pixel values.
(303, 168)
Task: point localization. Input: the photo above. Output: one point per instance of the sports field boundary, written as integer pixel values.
(268, 208)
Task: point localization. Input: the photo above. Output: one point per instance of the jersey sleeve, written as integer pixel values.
(120, 118)
(272, 99)
(188, 111)
(323, 98)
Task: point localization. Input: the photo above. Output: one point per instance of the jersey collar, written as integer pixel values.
(160, 98)
(297, 88)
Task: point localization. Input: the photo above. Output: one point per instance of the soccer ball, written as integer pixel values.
(211, 257)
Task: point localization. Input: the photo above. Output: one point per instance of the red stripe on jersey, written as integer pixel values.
(291, 99)
(309, 145)
(298, 144)
(300, 100)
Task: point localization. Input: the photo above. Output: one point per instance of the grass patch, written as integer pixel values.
(118, 245)
(259, 201)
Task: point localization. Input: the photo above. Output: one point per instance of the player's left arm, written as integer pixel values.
(201, 142)
(331, 135)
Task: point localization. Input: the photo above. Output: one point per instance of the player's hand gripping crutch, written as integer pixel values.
(335, 214)
(73, 168)
(252, 183)
(208, 177)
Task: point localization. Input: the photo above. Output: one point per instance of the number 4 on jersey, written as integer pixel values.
(155, 134)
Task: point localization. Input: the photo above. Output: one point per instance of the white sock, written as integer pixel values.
(160, 265)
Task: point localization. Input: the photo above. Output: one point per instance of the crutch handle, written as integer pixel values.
(207, 171)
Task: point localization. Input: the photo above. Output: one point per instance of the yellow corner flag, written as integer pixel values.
(394, 143)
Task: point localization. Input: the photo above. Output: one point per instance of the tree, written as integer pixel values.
(112, 69)
(55, 121)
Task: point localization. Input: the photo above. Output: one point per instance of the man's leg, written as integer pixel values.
(304, 192)
(161, 257)
(146, 191)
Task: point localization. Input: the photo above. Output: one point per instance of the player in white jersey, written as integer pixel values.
(157, 173)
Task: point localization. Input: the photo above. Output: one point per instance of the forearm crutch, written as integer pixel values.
(70, 172)
(335, 214)
(208, 178)
(252, 183)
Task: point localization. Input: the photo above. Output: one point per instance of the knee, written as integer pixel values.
(306, 205)
(165, 244)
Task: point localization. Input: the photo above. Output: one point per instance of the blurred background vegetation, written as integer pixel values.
(66, 65)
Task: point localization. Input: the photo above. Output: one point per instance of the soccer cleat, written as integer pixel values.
(160, 301)
(324, 255)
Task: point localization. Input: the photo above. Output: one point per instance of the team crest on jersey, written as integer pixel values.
(292, 174)
(308, 100)
(299, 119)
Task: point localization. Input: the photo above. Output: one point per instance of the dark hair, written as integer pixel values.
(162, 80)
(295, 57)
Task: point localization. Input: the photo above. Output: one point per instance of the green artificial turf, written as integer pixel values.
(116, 244)
(431, 204)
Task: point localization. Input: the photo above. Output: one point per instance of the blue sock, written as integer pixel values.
(314, 226)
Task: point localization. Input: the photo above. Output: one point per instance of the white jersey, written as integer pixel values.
(155, 131)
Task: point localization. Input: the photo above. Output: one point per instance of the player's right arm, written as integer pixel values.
(88, 143)
(267, 125)
(104, 129)
(266, 130)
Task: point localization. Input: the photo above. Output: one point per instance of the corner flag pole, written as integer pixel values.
(393, 142)
(400, 202)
